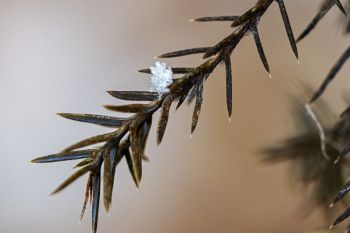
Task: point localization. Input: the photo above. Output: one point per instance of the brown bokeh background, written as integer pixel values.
(60, 56)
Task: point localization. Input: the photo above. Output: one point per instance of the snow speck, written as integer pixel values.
(162, 77)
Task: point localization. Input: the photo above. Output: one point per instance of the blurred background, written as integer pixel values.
(61, 56)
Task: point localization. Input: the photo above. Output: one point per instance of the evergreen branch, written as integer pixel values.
(130, 137)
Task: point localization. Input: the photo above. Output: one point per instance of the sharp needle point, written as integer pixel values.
(298, 61)
(270, 76)
(229, 119)
(191, 136)
(330, 228)
(331, 205)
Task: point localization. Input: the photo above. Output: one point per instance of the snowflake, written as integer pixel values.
(162, 77)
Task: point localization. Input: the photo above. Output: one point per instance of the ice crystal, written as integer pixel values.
(162, 77)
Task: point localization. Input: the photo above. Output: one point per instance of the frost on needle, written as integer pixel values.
(162, 77)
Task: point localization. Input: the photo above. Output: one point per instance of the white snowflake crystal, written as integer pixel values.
(162, 77)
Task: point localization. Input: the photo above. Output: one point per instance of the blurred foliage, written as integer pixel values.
(308, 166)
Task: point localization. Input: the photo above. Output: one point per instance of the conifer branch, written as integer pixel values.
(130, 135)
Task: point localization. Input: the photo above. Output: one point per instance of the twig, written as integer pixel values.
(321, 132)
